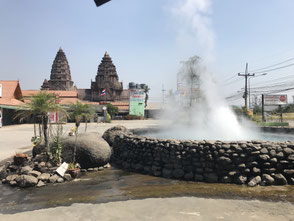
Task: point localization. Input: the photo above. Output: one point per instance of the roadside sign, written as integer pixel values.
(273, 100)
(53, 117)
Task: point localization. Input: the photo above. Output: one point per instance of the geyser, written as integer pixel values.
(198, 111)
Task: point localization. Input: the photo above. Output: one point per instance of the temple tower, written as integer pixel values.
(60, 78)
(106, 79)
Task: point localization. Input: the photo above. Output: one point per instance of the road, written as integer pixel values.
(17, 138)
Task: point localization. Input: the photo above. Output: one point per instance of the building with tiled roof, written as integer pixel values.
(11, 99)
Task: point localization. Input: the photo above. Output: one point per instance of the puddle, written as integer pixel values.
(118, 185)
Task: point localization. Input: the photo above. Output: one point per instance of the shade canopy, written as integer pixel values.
(101, 2)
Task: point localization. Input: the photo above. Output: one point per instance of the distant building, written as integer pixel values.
(106, 87)
(10, 101)
(60, 78)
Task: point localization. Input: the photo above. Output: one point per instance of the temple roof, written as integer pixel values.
(106, 67)
(60, 67)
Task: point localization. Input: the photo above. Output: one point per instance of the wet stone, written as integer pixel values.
(288, 151)
(53, 178)
(60, 180)
(254, 181)
(40, 184)
(268, 179)
(280, 179)
(178, 173)
(44, 177)
(226, 179)
(198, 178)
(264, 151)
(241, 179)
(35, 173)
(67, 177)
(13, 183)
(26, 170)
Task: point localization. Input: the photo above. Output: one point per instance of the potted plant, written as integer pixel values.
(20, 158)
(73, 170)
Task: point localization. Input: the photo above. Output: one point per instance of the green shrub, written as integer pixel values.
(274, 124)
(133, 117)
(108, 118)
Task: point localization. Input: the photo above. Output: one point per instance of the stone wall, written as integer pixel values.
(252, 162)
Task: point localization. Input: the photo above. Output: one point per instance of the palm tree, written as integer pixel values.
(77, 112)
(39, 106)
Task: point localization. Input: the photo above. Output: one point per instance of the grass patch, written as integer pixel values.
(273, 124)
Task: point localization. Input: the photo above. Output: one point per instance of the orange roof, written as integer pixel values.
(118, 103)
(62, 94)
(11, 93)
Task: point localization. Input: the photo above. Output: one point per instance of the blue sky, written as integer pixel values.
(145, 39)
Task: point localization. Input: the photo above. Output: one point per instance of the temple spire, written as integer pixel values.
(60, 78)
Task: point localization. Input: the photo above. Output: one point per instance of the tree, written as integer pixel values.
(112, 110)
(39, 106)
(146, 90)
(77, 112)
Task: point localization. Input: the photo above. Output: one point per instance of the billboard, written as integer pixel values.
(271, 100)
(137, 102)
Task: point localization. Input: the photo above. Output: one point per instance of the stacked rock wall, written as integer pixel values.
(252, 162)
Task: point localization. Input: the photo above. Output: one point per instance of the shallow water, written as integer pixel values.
(118, 185)
(274, 137)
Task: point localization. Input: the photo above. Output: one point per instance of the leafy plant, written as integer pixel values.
(108, 118)
(39, 106)
(112, 110)
(146, 90)
(77, 112)
(72, 166)
(56, 146)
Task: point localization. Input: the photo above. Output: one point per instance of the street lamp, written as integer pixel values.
(249, 84)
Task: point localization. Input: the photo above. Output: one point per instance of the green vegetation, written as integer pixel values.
(78, 112)
(39, 106)
(273, 124)
(133, 117)
(56, 146)
(112, 110)
(146, 90)
(241, 112)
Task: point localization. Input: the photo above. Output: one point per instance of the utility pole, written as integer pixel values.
(246, 75)
(163, 90)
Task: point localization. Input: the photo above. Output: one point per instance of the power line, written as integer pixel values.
(291, 59)
(274, 69)
(274, 80)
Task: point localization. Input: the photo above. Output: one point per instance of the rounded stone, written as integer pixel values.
(110, 134)
(91, 150)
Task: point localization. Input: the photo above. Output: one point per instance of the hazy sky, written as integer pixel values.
(146, 39)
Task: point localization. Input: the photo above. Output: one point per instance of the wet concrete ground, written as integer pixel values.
(117, 185)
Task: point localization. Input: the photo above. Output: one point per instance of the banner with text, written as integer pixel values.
(271, 100)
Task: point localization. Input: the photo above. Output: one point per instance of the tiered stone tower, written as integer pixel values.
(60, 78)
(107, 79)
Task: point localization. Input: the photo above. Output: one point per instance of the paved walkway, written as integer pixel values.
(169, 209)
(17, 138)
